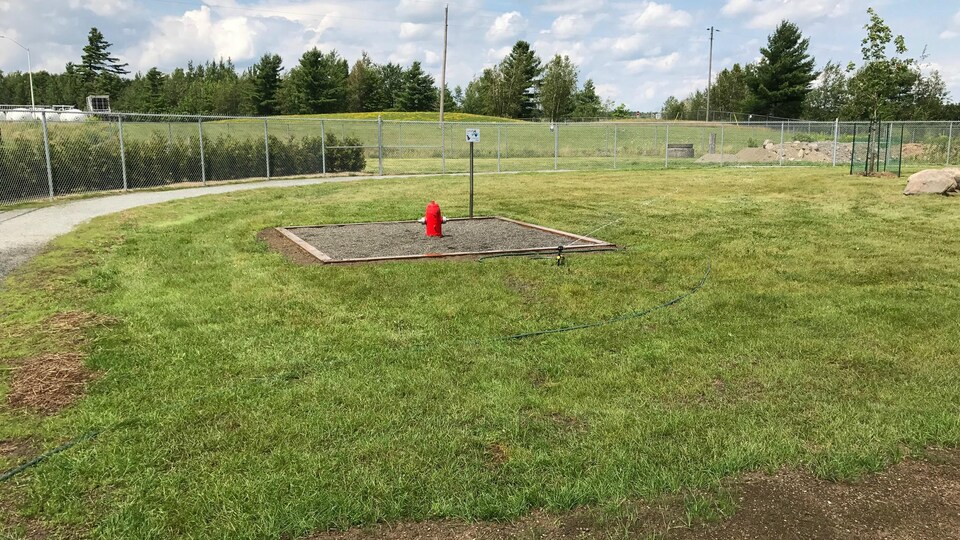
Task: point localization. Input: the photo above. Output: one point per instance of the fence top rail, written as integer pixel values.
(167, 117)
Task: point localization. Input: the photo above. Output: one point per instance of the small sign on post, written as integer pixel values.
(473, 136)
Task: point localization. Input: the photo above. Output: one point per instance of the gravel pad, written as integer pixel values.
(367, 240)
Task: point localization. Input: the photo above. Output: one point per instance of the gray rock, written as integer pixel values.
(931, 181)
(813, 147)
(955, 171)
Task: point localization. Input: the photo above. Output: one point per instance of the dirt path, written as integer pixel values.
(911, 500)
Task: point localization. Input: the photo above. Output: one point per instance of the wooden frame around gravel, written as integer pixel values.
(581, 243)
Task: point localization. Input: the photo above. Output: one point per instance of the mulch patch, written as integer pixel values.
(47, 383)
(916, 499)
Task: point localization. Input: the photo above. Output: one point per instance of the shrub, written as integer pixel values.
(86, 160)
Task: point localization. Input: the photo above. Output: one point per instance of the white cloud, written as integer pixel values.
(656, 16)
(494, 56)
(196, 34)
(574, 6)
(608, 91)
(948, 34)
(570, 26)
(507, 26)
(413, 30)
(659, 64)
(103, 8)
(769, 13)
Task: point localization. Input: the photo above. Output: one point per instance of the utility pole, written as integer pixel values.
(33, 104)
(443, 69)
(710, 70)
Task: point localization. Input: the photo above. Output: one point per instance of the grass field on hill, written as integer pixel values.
(241, 396)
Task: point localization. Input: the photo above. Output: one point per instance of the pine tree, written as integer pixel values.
(521, 72)
(96, 59)
(588, 104)
(390, 76)
(317, 85)
(783, 76)
(418, 93)
(265, 76)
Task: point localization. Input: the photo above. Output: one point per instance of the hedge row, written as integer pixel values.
(89, 161)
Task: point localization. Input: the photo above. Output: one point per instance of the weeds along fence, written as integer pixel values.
(42, 157)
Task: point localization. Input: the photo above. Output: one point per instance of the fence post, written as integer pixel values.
(666, 146)
(836, 136)
(853, 147)
(123, 152)
(556, 145)
(323, 147)
(886, 149)
(203, 163)
(498, 147)
(949, 141)
(46, 151)
(721, 145)
(616, 128)
(266, 146)
(380, 143)
(781, 144)
(443, 147)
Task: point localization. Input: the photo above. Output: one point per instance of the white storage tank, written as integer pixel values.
(72, 115)
(52, 115)
(19, 115)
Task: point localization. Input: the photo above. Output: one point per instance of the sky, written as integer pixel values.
(636, 52)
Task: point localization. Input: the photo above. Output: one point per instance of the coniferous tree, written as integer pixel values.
(782, 78)
(317, 85)
(418, 92)
(521, 70)
(588, 103)
(265, 78)
(96, 60)
(390, 76)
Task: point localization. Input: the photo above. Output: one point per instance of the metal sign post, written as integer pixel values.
(473, 136)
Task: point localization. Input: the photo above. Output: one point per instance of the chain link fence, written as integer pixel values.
(45, 156)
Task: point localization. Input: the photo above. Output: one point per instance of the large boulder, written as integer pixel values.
(931, 181)
(955, 171)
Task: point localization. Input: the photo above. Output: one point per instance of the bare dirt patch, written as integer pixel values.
(284, 246)
(47, 383)
(914, 499)
(70, 326)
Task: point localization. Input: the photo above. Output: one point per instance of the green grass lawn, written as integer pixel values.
(241, 396)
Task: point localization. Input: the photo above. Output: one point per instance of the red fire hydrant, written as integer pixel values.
(434, 219)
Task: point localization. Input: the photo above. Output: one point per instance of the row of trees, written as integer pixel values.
(521, 86)
(884, 85)
(320, 82)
